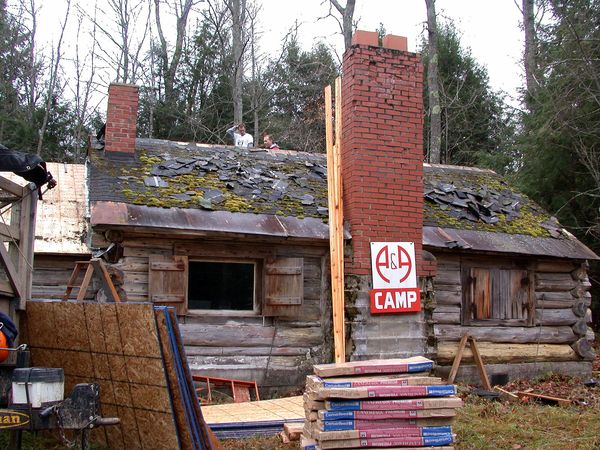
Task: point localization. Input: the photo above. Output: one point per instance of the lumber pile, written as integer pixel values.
(389, 403)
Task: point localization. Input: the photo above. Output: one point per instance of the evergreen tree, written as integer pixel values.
(561, 136)
(297, 112)
(476, 126)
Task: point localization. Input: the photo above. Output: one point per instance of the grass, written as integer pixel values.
(483, 424)
(480, 424)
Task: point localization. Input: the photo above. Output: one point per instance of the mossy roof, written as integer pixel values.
(169, 174)
(467, 198)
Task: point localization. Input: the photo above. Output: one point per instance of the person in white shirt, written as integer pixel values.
(240, 137)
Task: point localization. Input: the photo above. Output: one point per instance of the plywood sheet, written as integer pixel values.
(285, 409)
(116, 346)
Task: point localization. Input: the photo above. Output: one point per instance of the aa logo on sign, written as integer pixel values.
(393, 265)
(394, 278)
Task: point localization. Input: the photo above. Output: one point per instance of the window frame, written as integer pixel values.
(257, 298)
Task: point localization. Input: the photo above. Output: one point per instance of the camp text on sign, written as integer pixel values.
(395, 287)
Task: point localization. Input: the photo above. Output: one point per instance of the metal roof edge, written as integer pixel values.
(486, 241)
(106, 213)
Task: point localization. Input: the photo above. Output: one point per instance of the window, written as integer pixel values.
(271, 286)
(495, 295)
(221, 285)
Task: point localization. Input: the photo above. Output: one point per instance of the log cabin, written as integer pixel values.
(60, 230)
(237, 241)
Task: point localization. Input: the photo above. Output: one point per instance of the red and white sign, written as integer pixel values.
(394, 278)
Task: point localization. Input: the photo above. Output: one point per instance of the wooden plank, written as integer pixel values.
(457, 358)
(283, 287)
(336, 232)
(516, 335)
(171, 282)
(546, 399)
(447, 298)
(555, 317)
(168, 298)
(446, 317)
(481, 293)
(555, 282)
(469, 374)
(479, 364)
(26, 224)
(13, 188)
(497, 353)
(105, 280)
(8, 232)
(554, 266)
(11, 272)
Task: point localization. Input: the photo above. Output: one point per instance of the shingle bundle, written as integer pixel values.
(392, 404)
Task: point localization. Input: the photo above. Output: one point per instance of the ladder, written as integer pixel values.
(91, 266)
(476, 357)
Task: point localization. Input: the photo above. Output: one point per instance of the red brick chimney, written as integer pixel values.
(121, 118)
(382, 146)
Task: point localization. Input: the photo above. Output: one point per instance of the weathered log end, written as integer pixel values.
(584, 349)
(580, 327)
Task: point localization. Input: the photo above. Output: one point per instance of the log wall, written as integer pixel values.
(277, 352)
(560, 332)
(51, 274)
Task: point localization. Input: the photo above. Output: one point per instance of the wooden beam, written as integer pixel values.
(13, 188)
(336, 227)
(11, 272)
(8, 232)
(502, 353)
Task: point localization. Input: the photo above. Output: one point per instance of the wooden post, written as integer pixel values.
(336, 220)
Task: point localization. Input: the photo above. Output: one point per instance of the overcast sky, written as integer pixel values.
(491, 28)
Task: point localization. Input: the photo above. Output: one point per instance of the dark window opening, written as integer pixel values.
(221, 285)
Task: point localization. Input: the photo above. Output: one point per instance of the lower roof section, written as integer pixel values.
(567, 246)
(124, 215)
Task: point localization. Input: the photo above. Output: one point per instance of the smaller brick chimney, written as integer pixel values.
(121, 118)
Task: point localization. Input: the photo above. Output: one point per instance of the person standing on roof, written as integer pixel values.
(268, 142)
(240, 137)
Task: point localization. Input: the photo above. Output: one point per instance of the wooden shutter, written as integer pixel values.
(168, 281)
(519, 294)
(481, 294)
(284, 286)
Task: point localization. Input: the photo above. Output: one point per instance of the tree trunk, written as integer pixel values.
(169, 67)
(52, 82)
(347, 16)
(435, 117)
(238, 12)
(529, 57)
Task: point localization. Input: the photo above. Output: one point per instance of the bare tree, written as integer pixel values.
(346, 25)
(83, 89)
(34, 65)
(54, 68)
(238, 11)
(169, 66)
(435, 117)
(122, 39)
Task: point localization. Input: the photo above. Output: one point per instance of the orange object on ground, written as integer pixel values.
(3, 347)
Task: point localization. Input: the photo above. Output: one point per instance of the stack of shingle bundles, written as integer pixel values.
(392, 404)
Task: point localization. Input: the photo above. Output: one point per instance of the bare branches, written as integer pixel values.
(56, 57)
(346, 25)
